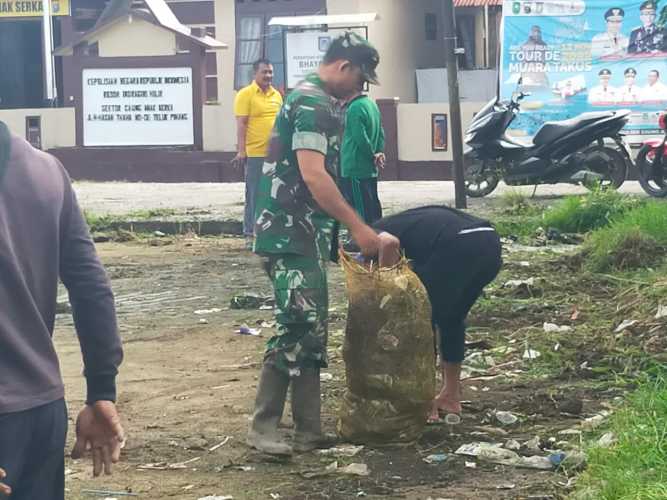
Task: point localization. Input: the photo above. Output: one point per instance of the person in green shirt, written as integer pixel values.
(298, 204)
(362, 154)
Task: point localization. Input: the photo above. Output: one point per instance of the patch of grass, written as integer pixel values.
(635, 468)
(514, 202)
(580, 214)
(98, 223)
(637, 239)
(521, 226)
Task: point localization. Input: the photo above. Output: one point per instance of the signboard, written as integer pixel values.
(304, 52)
(32, 8)
(137, 107)
(575, 56)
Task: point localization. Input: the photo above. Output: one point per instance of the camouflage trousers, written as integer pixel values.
(301, 309)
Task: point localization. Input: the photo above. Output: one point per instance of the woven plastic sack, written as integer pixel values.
(388, 353)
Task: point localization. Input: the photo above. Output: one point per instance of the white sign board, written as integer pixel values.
(137, 107)
(304, 53)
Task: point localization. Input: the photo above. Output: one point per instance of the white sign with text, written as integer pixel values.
(304, 53)
(137, 107)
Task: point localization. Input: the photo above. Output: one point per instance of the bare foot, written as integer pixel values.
(447, 404)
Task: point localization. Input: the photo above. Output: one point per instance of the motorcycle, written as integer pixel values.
(587, 149)
(651, 163)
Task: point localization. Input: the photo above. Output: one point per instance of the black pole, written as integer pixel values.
(449, 26)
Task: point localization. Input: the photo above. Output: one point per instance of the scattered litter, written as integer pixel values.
(351, 470)
(436, 458)
(505, 486)
(471, 465)
(533, 445)
(553, 328)
(107, 493)
(531, 354)
(208, 311)
(244, 468)
(506, 418)
(168, 466)
(574, 460)
(518, 283)
(595, 421)
(159, 234)
(361, 494)
(188, 487)
(512, 444)
(246, 330)
(662, 312)
(342, 451)
(220, 444)
(274, 496)
(217, 497)
(267, 324)
(557, 347)
(606, 440)
(625, 324)
(524, 263)
(575, 314)
(203, 321)
(355, 470)
(251, 301)
(326, 377)
(570, 432)
(496, 454)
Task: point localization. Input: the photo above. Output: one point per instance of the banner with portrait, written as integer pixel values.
(576, 56)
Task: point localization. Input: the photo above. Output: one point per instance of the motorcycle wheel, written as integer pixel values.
(653, 183)
(607, 162)
(479, 181)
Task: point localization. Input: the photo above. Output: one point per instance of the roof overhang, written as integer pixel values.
(347, 20)
(477, 3)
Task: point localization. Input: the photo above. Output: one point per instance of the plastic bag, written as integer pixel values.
(388, 353)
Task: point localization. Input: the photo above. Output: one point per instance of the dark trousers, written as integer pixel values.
(32, 451)
(253, 173)
(362, 195)
(455, 276)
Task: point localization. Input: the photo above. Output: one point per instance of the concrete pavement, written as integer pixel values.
(218, 201)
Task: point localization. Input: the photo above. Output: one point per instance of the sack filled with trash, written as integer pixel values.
(388, 353)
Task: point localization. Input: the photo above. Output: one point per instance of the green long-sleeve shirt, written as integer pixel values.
(363, 139)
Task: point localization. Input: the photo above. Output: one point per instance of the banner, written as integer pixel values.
(576, 56)
(28, 8)
(137, 107)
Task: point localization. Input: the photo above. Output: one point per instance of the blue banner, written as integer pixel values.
(575, 56)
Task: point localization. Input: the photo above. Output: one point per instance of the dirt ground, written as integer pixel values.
(188, 384)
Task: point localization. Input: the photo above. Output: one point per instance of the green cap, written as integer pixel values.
(358, 51)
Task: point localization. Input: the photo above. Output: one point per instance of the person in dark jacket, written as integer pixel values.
(455, 255)
(43, 237)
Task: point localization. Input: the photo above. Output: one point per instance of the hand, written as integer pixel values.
(389, 253)
(98, 430)
(380, 160)
(239, 160)
(4, 489)
(367, 240)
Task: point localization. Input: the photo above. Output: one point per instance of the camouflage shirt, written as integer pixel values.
(289, 221)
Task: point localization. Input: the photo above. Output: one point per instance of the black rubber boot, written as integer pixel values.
(269, 405)
(306, 412)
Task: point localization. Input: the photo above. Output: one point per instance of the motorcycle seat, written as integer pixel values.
(551, 131)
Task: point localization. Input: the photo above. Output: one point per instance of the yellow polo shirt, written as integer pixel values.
(261, 108)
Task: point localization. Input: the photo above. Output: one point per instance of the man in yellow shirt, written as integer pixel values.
(255, 107)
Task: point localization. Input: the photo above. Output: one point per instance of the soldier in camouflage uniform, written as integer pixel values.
(298, 205)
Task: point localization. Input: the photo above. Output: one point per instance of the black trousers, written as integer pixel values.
(32, 452)
(454, 276)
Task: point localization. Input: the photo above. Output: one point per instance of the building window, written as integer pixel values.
(211, 61)
(465, 32)
(431, 27)
(255, 39)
